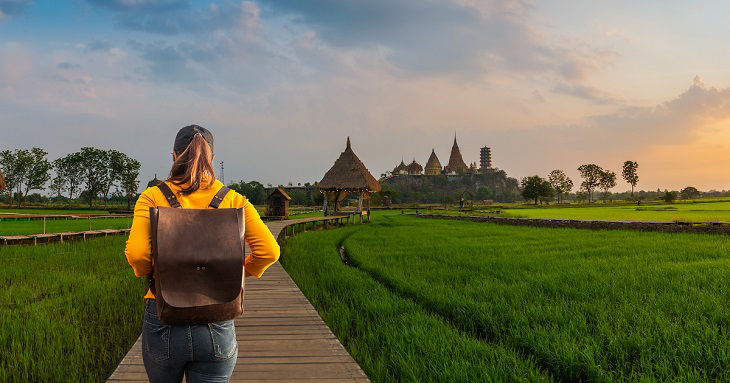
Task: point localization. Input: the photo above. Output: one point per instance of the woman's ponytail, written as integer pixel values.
(192, 164)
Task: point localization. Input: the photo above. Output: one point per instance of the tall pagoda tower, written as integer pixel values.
(456, 161)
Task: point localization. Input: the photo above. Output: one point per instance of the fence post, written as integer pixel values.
(44, 224)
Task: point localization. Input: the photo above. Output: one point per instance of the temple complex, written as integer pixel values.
(456, 164)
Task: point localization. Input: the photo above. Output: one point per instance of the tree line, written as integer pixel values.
(558, 184)
(88, 173)
(594, 178)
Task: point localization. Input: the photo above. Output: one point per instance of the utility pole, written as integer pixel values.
(223, 175)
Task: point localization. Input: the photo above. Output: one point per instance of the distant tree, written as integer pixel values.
(70, 169)
(591, 174)
(484, 192)
(630, 174)
(690, 192)
(581, 196)
(669, 196)
(536, 188)
(560, 182)
(59, 183)
(254, 191)
(128, 176)
(12, 171)
(38, 171)
(26, 170)
(606, 182)
(93, 162)
(113, 162)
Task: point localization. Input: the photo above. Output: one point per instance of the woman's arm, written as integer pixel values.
(264, 249)
(139, 244)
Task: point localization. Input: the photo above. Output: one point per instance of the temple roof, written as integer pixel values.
(349, 172)
(456, 161)
(414, 167)
(154, 182)
(401, 167)
(433, 161)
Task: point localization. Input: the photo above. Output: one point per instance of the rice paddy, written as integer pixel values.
(68, 312)
(572, 305)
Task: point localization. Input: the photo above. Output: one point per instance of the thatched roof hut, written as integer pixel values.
(347, 175)
(2, 181)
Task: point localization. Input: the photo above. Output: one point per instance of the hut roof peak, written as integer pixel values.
(349, 172)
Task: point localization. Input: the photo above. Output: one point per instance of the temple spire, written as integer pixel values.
(348, 143)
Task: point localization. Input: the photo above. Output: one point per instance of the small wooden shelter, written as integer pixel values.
(278, 204)
(2, 182)
(347, 175)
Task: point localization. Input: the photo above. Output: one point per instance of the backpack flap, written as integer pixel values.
(199, 255)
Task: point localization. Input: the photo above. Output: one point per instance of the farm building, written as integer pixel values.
(278, 204)
(347, 175)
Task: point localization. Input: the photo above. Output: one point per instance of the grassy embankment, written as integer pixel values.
(576, 305)
(68, 312)
(11, 227)
(61, 211)
(703, 211)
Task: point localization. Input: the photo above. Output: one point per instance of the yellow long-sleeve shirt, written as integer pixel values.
(264, 249)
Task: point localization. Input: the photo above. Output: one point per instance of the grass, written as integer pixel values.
(575, 305)
(391, 337)
(50, 211)
(68, 312)
(700, 211)
(12, 227)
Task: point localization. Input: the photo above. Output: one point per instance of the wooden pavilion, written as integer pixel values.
(347, 175)
(278, 204)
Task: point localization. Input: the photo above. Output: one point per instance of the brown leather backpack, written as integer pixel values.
(198, 257)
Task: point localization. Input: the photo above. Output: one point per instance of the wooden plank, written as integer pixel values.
(281, 337)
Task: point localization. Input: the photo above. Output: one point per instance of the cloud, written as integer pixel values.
(584, 92)
(98, 46)
(131, 6)
(67, 65)
(673, 121)
(441, 37)
(10, 8)
(172, 17)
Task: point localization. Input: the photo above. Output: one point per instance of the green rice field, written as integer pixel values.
(705, 211)
(68, 312)
(35, 226)
(4, 211)
(430, 300)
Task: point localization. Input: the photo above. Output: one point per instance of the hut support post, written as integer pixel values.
(324, 205)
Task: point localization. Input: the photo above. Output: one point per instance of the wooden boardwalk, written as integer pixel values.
(281, 338)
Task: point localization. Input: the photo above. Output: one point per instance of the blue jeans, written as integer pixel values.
(204, 353)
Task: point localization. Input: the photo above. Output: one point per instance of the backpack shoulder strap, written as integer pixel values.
(218, 197)
(169, 195)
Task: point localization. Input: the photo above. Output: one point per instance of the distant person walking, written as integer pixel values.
(203, 352)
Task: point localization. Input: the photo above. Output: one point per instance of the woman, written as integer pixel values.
(208, 352)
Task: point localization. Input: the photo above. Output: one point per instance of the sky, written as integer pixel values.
(283, 83)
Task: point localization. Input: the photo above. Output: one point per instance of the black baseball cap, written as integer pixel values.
(186, 134)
